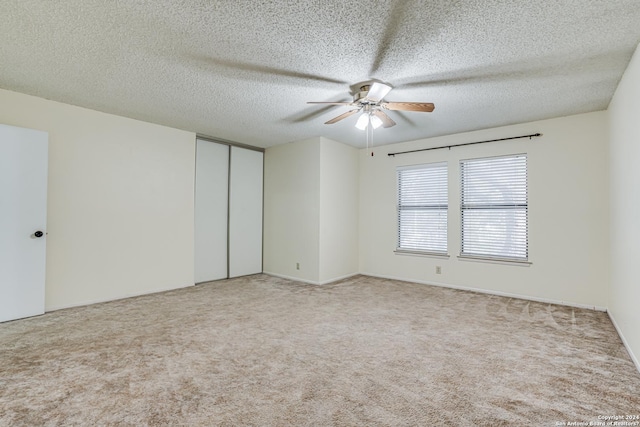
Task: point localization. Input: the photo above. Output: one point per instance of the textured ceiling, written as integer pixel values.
(242, 70)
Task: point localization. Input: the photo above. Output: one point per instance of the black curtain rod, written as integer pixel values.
(533, 135)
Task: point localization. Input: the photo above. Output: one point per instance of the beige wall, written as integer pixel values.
(568, 212)
(120, 205)
(338, 210)
(311, 210)
(624, 295)
(292, 210)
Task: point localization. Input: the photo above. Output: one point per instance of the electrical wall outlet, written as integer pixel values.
(438, 269)
(297, 266)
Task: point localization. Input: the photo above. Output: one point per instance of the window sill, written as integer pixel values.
(489, 260)
(422, 254)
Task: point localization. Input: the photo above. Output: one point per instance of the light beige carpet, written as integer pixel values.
(264, 351)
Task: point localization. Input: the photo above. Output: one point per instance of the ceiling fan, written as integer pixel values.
(370, 101)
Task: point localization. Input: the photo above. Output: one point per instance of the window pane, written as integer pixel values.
(422, 208)
(423, 230)
(494, 207)
(496, 233)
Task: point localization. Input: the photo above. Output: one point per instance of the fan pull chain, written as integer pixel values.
(371, 140)
(369, 135)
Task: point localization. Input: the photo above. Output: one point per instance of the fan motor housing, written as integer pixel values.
(362, 93)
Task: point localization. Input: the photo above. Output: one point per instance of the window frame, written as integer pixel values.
(503, 207)
(442, 186)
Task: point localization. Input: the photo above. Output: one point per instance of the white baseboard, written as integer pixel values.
(491, 292)
(99, 301)
(624, 341)
(324, 282)
(310, 282)
(295, 279)
(336, 279)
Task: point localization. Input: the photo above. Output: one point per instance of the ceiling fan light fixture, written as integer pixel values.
(363, 121)
(375, 121)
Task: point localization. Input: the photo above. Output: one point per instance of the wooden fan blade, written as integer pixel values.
(425, 107)
(387, 122)
(342, 116)
(330, 103)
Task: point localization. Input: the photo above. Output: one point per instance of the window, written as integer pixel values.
(494, 208)
(422, 208)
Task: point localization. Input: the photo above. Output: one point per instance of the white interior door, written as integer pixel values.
(23, 217)
(211, 210)
(245, 212)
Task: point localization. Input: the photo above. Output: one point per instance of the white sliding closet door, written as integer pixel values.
(211, 211)
(245, 212)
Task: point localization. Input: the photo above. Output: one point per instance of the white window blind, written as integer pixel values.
(494, 208)
(422, 208)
